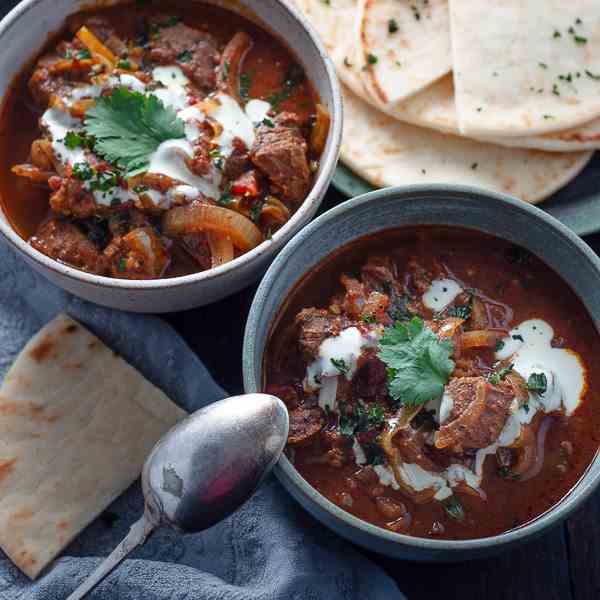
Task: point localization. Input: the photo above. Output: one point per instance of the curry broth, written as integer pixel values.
(508, 275)
(26, 205)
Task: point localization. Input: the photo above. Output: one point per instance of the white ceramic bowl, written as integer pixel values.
(27, 27)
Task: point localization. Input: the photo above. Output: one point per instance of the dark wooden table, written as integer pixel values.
(562, 565)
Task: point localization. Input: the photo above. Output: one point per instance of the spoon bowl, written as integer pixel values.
(208, 465)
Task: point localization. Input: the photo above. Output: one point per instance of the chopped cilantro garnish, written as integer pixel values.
(499, 345)
(83, 54)
(460, 312)
(245, 85)
(580, 39)
(371, 59)
(392, 25)
(226, 196)
(497, 376)
(294, 76)
(593, 75)
(170, 21)
(124, 64)
(225, 73)
(82, 171)
(418, 363)
(128, 127)
(122, 264)
(340, 365)
(555, 90)
(268, 122)
(518, 338)
(543, 65)
(361, 419)
(537, 383)
(557, 34)
(454, 508)
(104, 181)
(369, 318)
(74, 140)
(185, 56)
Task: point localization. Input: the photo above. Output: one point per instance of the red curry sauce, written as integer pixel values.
(489, 268)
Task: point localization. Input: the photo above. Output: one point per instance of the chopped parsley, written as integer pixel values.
(518, 338)
(361, 419)
(128, 127)
(82, 171)
(557, 34)
(371, 59)
(595, 76)
(555, 90)
(537, 383)
(268, 122)
(74, 140)
(454, 508)
(474, 166)
(185, 56)
(369, 318)
(392, 26)
(84, 54)
(374, 454)
(543, 65)
(418, 363)
(294, 77)
(124, 64)
(460, 312)
(226, 196)
(499, 345)
(340, 365)
(245, 85)
(497, 376)
(578, 39)
(122, 264)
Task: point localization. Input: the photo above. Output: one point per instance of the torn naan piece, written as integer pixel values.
(76, 424)
(524, 67)
(387, 152)
(405, 46)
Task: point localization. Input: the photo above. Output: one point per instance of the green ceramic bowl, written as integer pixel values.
(488, 212)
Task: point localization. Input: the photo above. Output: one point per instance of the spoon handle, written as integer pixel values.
(138, 534)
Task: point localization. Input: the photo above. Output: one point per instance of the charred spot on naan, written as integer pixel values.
(7, 466)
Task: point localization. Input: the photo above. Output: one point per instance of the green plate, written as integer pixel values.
(577, 205)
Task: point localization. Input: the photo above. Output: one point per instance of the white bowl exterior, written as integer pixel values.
(27, 27)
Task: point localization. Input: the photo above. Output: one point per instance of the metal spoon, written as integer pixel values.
(203, 470)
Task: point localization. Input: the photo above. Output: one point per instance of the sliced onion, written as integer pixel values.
(33, 173)
(196, 217)
(231, 63)
(485, 338)
(538, 462)
(320, 130)
(221, 249)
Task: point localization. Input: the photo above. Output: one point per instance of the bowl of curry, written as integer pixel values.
(438, 357)
(155, 156)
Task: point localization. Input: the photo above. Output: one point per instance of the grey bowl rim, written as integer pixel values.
(299, 219)
(286, 472)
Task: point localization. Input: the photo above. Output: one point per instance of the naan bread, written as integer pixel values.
(434, 107)
(408, 44)
(388, 152)
(76, 424)
(525, 67)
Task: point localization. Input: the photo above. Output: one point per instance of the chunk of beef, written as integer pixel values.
(65, 242)
(479, 413)
(370, 380)
(315, 325)
(72, 199)
(196, 52)
(48, 80)
(305, 423)
(141, 254)
(412, 449)
(196, 245)
(281, 153)
(238, 162)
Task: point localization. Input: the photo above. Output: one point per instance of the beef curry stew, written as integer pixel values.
(433, 392)
(158, 139)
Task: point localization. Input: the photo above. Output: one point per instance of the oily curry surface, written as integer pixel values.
(240, 138)
(502, 430)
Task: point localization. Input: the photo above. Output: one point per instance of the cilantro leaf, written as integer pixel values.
(129, 126)
(537, 383)
(418, 363)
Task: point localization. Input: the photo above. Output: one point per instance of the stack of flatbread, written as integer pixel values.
(504, 94)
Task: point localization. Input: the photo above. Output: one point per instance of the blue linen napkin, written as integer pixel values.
(270, 549)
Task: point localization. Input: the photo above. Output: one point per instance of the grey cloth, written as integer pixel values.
(270, 549)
